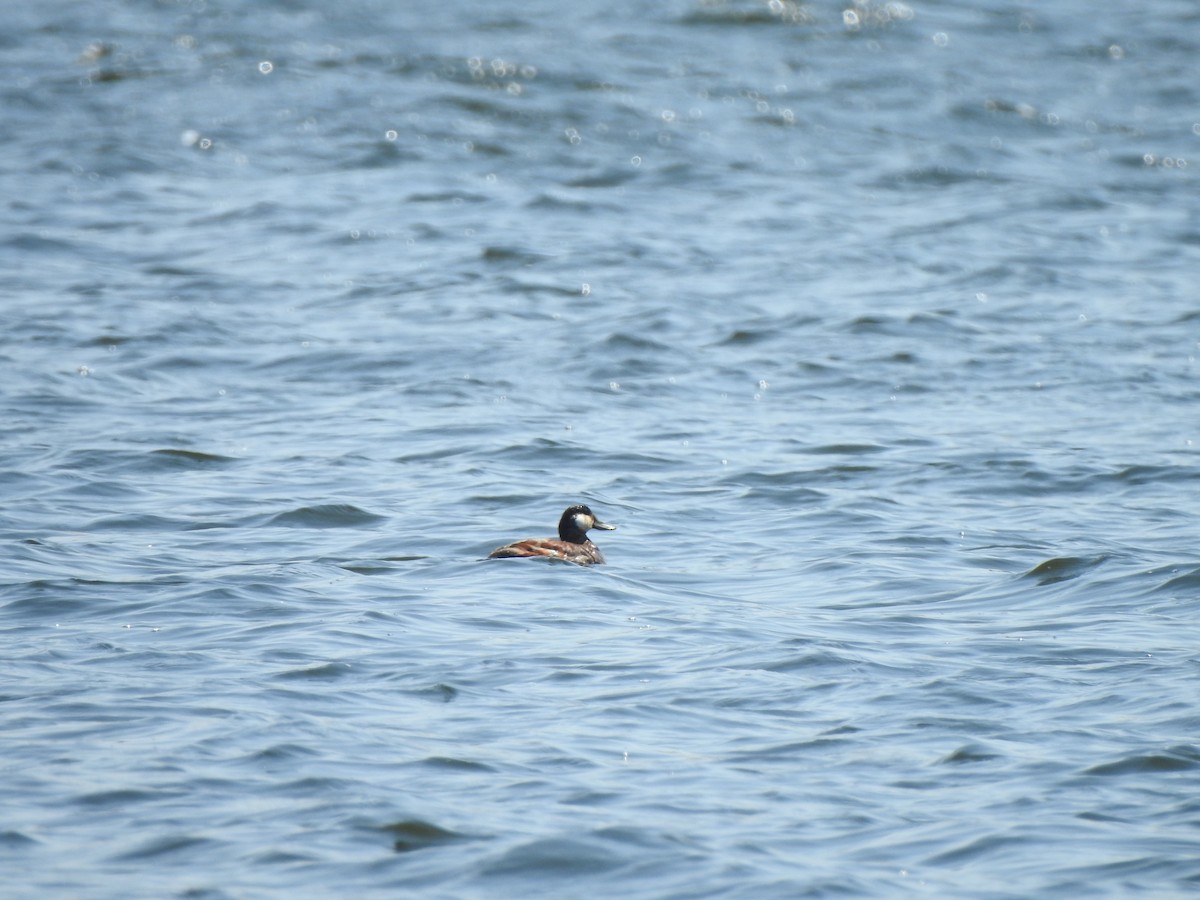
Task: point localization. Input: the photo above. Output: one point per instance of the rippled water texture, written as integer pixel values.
(872, 325)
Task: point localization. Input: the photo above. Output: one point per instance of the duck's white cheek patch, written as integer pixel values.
(582, 522)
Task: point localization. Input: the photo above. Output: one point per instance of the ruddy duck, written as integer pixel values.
(572, 544)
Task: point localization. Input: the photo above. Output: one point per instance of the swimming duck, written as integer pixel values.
(572, 544)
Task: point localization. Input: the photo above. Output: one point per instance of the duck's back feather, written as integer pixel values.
(585, 554)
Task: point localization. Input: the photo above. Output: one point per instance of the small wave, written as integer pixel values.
(118, 797)
(284, 751)
(443, 693)
(1142, 474)
(1188, 581)
(415, 834)
(10, 838)
(620, 341)
(557, 856)
(1064, 568)
(516, 255)
(975, 849)
(726, 15)
(968, 753)
(846, 449)
(806, 662)
(744, 337)
(606, 179)
(31, 243)
(324, 672)
(167, 845)
(1174, 759)
(171, 459)
(363, 568)
(136, 523)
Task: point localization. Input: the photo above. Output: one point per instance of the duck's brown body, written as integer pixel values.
(571, 545)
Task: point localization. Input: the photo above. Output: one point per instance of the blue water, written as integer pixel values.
(873, 326)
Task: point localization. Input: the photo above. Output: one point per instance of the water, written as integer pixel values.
(873, 327)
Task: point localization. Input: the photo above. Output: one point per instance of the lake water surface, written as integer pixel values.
(874, 326)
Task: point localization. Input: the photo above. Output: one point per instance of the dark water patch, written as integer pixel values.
(369, 568)
(736, 14)
(592, 798)
(780, 330)
(871, 324)
(269, 858)
(14, 840)
(807, 662)
(110, 75)
(1103, 817)
(198, 279)
(937, 177)
(453, 197)
(1156, 475)
(331, 515)
(968, 753)
(166, 846)
(326, 672)
(748, 337)
(171, 460)
(1064, 568)
(608, 178)
(251, 212)
(410, 835)
(40, 244)
(310, 786)
(110, 341)
(1173, 759)
(383, 154)
(620, 341)
(449, 451)
(518, 256)
(438, 693)
(845, 449)
(287, 751)
(529, 288)
(554, 202)
(121, 797)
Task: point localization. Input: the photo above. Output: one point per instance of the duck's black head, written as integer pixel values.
(575, 523)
